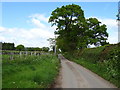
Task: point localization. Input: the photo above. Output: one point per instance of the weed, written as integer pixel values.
(29, 71)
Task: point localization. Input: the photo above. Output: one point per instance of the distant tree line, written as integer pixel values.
(8, 46)
(33, 49)
(11, 46)
(46, 49)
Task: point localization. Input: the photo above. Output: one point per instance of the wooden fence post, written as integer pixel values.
(26, 53)
(20, 53)
(11, 56)
(35, 53)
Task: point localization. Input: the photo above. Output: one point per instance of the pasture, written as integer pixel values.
(29, 71)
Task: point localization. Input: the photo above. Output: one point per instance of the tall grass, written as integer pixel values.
(102, 60)
(29, 71)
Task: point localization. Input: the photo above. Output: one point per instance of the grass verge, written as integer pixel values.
(103, 61)
(29, 71)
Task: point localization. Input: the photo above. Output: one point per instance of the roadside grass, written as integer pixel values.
(98, 68)
(29, 71)
(108, 67)
(92, 54)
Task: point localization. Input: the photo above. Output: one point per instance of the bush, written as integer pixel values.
(103, 60)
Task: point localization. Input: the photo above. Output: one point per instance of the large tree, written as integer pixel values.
(97, 32)
(76, 32)
(66, 18)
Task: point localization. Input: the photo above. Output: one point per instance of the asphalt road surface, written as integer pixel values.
(73, 75)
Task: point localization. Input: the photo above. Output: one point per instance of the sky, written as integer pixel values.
(27, 22)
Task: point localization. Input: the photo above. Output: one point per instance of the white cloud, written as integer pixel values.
(2, 29)
(111, 23)
(112, 29)
(37, 23)
(2, 38)
(34, 37)
(40, 17)
(38, 35)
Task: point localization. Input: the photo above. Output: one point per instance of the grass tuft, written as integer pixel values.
(29, 71)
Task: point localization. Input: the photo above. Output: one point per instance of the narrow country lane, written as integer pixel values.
(73, 75)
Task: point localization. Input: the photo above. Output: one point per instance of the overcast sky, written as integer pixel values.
(27, 22)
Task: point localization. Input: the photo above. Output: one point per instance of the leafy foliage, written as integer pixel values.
(20, 48)
(113, 63)
(8, 46)
(75, 32)
(96, 32)
(46, 49)
(33, 49)
(107, 65)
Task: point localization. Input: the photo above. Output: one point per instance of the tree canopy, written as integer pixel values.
(46, 49)
(20, 47)
(33, 49)
(74, 30)
(8, 46)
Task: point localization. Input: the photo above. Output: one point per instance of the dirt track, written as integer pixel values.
(73, 75)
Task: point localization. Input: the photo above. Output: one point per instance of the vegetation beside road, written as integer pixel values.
(29, 71)
(102, 60)
(76, 33)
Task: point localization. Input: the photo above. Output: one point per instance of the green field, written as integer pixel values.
(29, 71)
(102, 60)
